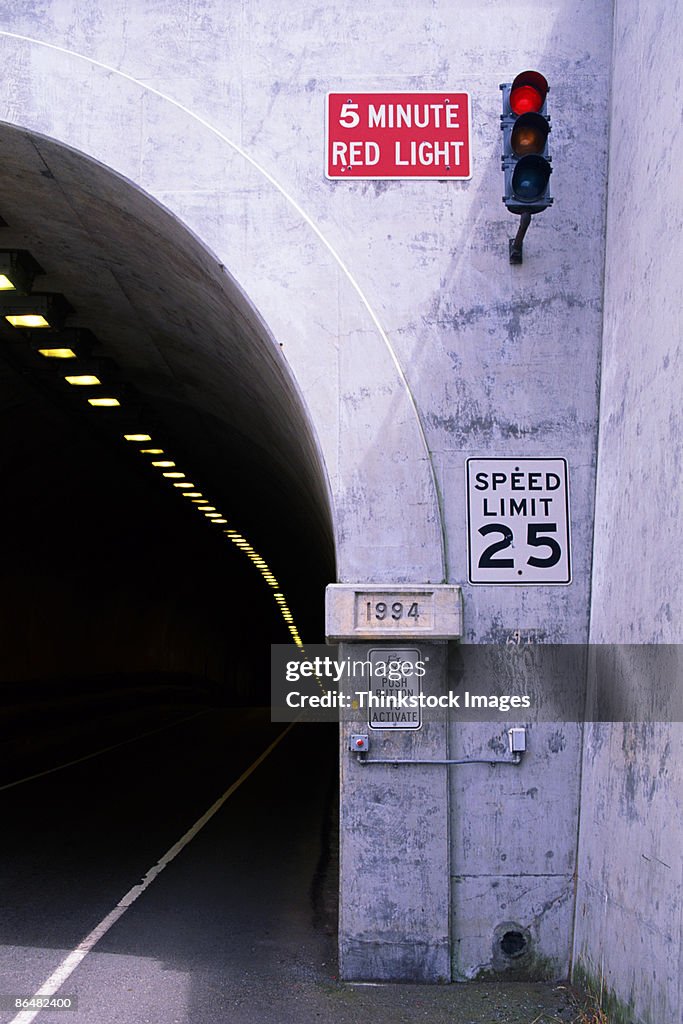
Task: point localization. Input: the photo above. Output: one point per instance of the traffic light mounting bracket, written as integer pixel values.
(517, 243)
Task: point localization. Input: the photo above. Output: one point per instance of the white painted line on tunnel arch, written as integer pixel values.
(104, 750)
(52, 985)
(345, 269)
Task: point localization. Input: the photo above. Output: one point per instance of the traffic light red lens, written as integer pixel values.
(524, 98)
(530, 177)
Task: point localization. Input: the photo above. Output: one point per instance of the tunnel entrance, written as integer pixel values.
(165, 519)
(125, 586)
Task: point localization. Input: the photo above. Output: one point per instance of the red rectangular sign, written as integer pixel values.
(398, 135)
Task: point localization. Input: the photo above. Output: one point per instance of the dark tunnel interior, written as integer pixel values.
(121, 601)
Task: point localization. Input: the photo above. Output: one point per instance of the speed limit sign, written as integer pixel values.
(518, 521)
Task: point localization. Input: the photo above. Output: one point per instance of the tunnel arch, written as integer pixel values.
(385, 505)
(190, 359)
(161, 306)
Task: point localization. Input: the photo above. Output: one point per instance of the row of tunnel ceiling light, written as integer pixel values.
(46, 312)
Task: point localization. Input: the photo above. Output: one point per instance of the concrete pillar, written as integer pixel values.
(394, 919)
(394, 839)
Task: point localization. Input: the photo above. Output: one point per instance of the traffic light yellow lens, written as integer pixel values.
(527, 140)
(529, 134)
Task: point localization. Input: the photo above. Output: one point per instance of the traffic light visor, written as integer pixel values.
(529, 134)
(528, 92)
(530, 178)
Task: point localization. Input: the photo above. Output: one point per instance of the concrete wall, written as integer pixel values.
(415, 344)
(509, 339)
(628, 922)
(394, 914)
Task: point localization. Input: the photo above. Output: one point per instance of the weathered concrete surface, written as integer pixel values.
(513, 851)
(628, 923)
(412, 340)
(509, 341)
(438, 612)
(394, 920)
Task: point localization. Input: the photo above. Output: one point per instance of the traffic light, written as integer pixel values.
(525, 125)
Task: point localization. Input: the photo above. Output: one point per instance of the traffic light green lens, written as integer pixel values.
(530, 177)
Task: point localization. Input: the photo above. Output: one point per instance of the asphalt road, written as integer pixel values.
(244, 894)
(240, 926)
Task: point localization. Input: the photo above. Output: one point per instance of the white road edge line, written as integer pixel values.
(71, 962)
(104, 750)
